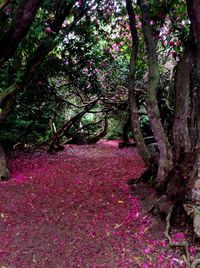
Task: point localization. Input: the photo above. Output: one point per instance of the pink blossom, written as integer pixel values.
(174, 54)
(85, 70)
(39, 83)
(9, 9)
(48, 30)
(192, 250)
(164, 43)
(139, 25)
(115, 47)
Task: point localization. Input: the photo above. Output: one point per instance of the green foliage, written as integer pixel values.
(92, 61)
(115, 129)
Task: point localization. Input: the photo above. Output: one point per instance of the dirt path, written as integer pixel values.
(74, 209)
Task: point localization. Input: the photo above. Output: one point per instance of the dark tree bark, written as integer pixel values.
(194, 15)
(7, 102)
(165, 152)
(193, 8)
(126, 128)
(181, 135)
(144, 152)
(4, 173)
(21, 23)
(194, 119)
(6, 106)
(184, 186)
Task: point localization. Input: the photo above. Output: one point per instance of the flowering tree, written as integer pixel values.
(90, 69)
(24, 65)
(176, 167)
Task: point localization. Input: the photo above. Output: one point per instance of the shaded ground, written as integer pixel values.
(74, 209)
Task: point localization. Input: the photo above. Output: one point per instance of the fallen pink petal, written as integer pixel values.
(79, 213)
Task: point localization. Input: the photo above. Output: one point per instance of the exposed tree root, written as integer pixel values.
(195, 263)
(154, 204)
(187, 258)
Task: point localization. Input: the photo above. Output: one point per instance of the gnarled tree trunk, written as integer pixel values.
(179, 176)
(184, 186)
(143, 150)
(181, 135)
(165, 153)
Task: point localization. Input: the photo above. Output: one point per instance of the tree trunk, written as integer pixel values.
(21, 23)
(4, 173)
(184, 186)
(126, 127)
(194, 15)
(165, 152)
(193, 185)
(184, 178)
(193, 8)
(101, 135)
(55, 140)
(181, 135)
(7, 102)
(194, 119)
(143, 150)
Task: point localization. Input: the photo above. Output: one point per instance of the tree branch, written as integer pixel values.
(21, 23)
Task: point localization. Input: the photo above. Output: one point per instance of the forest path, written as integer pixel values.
(74, 209)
